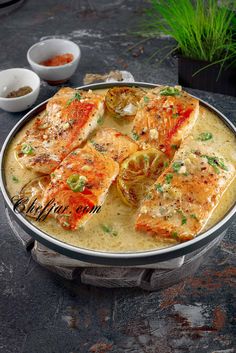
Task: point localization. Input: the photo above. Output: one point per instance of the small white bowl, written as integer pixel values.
(12, 80)
(49, 48)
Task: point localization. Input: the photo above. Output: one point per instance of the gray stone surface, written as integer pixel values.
(42, 313)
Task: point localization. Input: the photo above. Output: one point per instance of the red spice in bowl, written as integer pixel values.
(58, 60)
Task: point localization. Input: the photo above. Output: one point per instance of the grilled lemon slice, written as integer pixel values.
(123, 101)
(138, 172)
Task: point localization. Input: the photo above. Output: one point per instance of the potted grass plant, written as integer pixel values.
(205, 35)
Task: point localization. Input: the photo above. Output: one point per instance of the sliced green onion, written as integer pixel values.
(135, 136)
(77, 96)
(205, 136)
(159, 188)
(169, 177)
(169, 91)
(176, 166)
(76, 182)
(27, 149)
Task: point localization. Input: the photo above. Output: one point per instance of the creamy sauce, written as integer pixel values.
(114, 213)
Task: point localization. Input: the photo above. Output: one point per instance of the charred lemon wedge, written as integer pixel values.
(138, 172)
(123, 101)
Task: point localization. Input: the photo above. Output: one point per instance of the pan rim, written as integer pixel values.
(105, 257)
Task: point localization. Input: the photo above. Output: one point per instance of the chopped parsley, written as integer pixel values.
(15, 179)
(184, 218)
(169, 177)
(77, 96)
(135, 136)
(100, 120)
(205, 136)
(175, 235)
(146, 99)
(176, 166)
(159, 188)
(109, 229)
(169, 91)
(176, 115)
(216, 163)
(194, 216)
(174, 147)
(166, 164)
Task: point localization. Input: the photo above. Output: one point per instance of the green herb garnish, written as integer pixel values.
(194, 216)
(216, 163)
(108, 229)
(148, 196)
(76, 182)
(66, 224)
(135, 136)
(169, 91)
(169, 177)
(184, 218)
(15, 179)
(27, 149)
(166, 164)
(146, 99)
(159, 188)
(176, 166)
(176, 115)
(77, 96)
(174, 147)
(175, 235)
(100, 120)
(205, 136)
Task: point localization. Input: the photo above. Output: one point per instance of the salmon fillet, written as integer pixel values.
(183, 198)
(165, 117)
(69, 117)
(114, 144)
(81, 181)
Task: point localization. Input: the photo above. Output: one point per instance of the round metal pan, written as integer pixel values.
(110, 258)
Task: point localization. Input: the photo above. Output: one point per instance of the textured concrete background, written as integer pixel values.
(41, 313)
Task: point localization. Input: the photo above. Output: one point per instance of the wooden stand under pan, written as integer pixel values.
(149, 277)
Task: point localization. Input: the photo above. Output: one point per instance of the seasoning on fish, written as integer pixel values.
(183, 198)
(80, 183)
(114, 144)
(165, 117)
(69, 118)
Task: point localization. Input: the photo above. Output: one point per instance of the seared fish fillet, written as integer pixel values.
(69, 117)
(114, 144)
(81, 181)
(165, 117)
(183, 198)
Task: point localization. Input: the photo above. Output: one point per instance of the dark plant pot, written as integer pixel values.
(207, 78)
